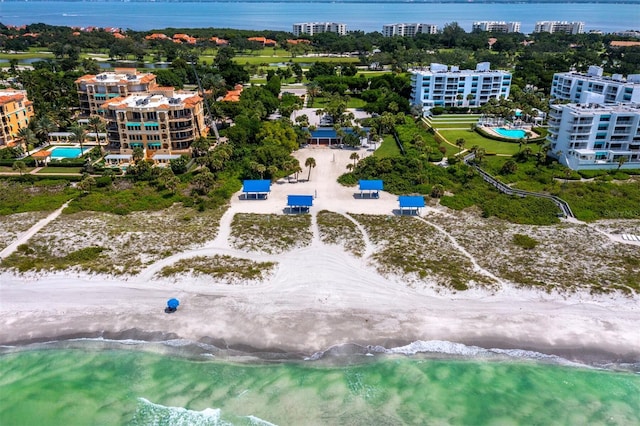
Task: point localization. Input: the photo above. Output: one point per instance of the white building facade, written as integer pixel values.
(496, 26)
(595, 136)
(313, 28)
(448, 86)
(576, 27)
(593, 87)
(408, 30)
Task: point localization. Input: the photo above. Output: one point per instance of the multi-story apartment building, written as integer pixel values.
(408, 30)
(595, 136)
(312, 28)
(575, 27)
(15, 112)
(94, 90)
(593, 87)
(450, 86)
(496, 26)
(160, 122)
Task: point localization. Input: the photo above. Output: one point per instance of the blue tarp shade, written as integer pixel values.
(411, 201)
(299, 201)
(173, 303)
(256, 187)
(370, 185)
(373, 186)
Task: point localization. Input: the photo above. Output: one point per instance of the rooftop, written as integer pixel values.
(154, 101)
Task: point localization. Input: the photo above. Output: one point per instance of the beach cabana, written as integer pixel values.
(41, 157)
(259, 188)
(117, 159)
(299, 202)
(371, 188)
(411, 203)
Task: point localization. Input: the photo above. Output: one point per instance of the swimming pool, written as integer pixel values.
(61, 152)
(511, 133)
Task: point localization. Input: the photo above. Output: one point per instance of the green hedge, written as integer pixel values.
(29, 162)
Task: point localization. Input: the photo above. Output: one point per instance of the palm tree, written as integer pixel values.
(20, 166)
(355, 157)
(310, 163)
(350, 167)
(460, 143)
(43, 126)
(78, 135)
(28, 138)
(621, 161)
(97, 125)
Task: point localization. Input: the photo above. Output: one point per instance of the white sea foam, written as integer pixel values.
(149, 414)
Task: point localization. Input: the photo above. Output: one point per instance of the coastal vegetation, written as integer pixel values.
(270, 233)
(227, 269)
(338, 229)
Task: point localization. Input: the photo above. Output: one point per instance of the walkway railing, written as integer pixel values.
(562, 205)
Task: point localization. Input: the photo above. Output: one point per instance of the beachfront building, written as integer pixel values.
(15, 112)
(313, 28)
(408, 30)
(576, 27)
(496, 26)
(162, 122)
(445, 86)
(94, 90)
(593, 87)
(595, 136)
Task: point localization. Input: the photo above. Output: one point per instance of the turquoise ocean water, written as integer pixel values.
(362, 15)
(88, 384)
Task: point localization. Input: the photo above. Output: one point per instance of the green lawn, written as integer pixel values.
(321, 102)
(9, 169)
(26, 55)
(450, 125)
(388, 148)
(257, 60)
(56, 170)
(472, 138)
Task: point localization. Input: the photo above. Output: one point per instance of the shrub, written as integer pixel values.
(525, 241)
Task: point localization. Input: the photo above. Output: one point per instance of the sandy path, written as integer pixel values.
(26, 236)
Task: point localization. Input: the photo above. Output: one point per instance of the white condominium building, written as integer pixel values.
(593, 87)
(160, 122)
(450, 86)
(496, 26)
(408, 30)
(313, 28)
(575, 27)
(94, 90)
(594, 136)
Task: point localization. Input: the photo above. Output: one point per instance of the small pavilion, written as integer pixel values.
(370, 188)
(411, 203)
(258, 188)
(301, 203)
(43, 156)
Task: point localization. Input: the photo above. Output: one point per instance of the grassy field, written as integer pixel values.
(472, 138)
(259, 60)
(61, 170)
(389, 148)
(321, 102)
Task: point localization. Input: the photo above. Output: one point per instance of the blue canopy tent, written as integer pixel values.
(299, 202)
(261, 188)
(372, 186)
(412, 203)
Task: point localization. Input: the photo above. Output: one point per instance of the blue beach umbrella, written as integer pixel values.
(173, 303)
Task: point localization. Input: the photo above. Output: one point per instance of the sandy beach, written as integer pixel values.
(318, 296)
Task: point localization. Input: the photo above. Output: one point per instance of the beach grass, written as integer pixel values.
(15, 224)
(105, 243)
(270, 233)
(419, 253)
(544, 257)
(45, 195)
(339, 230)
(227, 269)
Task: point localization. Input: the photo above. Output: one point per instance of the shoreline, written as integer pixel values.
(579, 328)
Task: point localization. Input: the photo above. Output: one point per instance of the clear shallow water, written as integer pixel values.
(66, 152)
(363, 16)
(510, 133)
(75, 386)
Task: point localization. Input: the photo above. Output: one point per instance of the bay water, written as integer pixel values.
(367, 16)
(83, 384)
